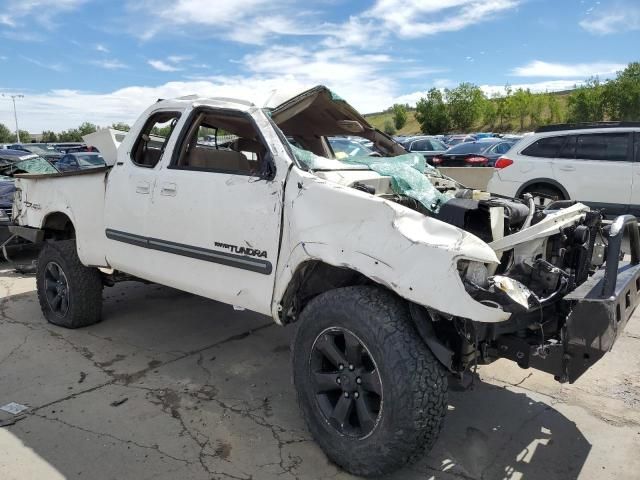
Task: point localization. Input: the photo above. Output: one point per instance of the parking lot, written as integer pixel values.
(171, 385)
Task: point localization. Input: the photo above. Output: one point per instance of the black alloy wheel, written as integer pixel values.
(56, 289)
(346, 381)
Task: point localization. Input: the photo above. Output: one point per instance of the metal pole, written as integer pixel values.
(15, 114)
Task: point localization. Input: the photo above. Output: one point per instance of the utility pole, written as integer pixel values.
(15, 113)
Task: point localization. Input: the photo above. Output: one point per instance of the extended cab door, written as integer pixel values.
(215, 217)
(596, 169)
(130, 190)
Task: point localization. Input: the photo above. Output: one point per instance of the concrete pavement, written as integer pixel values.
(172, 386)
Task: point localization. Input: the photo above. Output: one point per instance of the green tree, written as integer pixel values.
(587, 102)
(553, 109)
(465, 104)
(25, 137)
(389, 128)
(520, 105)
(71, 135)
(622, 95)
(5, 133)
(87, 128)
(537, 105)
(399, 115)
(490, 113)
(121, 126)
(432, 113)
(502, 107)
(166, 130)
(49, 136)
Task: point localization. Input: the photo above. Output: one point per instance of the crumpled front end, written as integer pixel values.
(561, 281)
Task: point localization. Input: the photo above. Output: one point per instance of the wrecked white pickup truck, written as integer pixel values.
(394, 274)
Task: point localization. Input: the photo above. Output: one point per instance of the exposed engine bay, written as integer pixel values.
(544, 255)
(565, 309)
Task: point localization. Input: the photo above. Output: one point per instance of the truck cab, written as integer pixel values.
(395, 274)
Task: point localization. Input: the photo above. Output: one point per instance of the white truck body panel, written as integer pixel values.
(323, 219)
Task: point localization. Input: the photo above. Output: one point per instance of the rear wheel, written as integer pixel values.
(543, 195)
(371, 392)
(69, 293)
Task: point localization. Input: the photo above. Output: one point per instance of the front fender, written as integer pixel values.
(409, 253)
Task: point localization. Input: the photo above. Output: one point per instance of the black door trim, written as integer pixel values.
(243, 262)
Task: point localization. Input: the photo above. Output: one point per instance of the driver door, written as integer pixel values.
(214, 221)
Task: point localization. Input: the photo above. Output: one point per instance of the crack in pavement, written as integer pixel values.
(113, 437)
(126, 379)
(612, 419)
(169, 400)
(15, 349)
(202, 393)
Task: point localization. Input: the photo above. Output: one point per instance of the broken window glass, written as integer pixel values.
(407, 173)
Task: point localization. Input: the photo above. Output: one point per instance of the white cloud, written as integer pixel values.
(257, 21)
(56, 67)
(101, 48)
(163, 66)
(620, 18)
(417, 18)
(243, 21)
(14, 12)
(62, 109)
(177, 58)
(109, 64)
(538, 68)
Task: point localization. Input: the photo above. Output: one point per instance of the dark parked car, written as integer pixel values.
(73, 147)
(482, 153)
(457, 139)
(80, 161)
(425, 145)
(43, 150)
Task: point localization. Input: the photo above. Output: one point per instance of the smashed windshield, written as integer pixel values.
(407, 173)
(33, 164)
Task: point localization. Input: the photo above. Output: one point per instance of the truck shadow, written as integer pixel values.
(490, 432)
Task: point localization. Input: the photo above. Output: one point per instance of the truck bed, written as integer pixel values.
(78, 195)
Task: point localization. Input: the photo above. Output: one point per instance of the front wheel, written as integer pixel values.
(70, 294)
(371, 392)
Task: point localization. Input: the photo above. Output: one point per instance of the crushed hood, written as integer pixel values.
(320, 112)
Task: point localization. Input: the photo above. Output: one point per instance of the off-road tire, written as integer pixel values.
(414, 383)
(84, 286)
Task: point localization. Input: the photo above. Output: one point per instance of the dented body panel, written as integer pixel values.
(384, 242)
(488, 274)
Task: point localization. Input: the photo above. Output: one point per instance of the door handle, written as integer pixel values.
(168, 189)
(567, 168)
(143, 187)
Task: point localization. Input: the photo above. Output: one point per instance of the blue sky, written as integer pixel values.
(91, 60)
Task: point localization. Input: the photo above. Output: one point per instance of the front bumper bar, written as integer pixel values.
(598, 310)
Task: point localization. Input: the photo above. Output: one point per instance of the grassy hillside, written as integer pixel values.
(378, 120)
